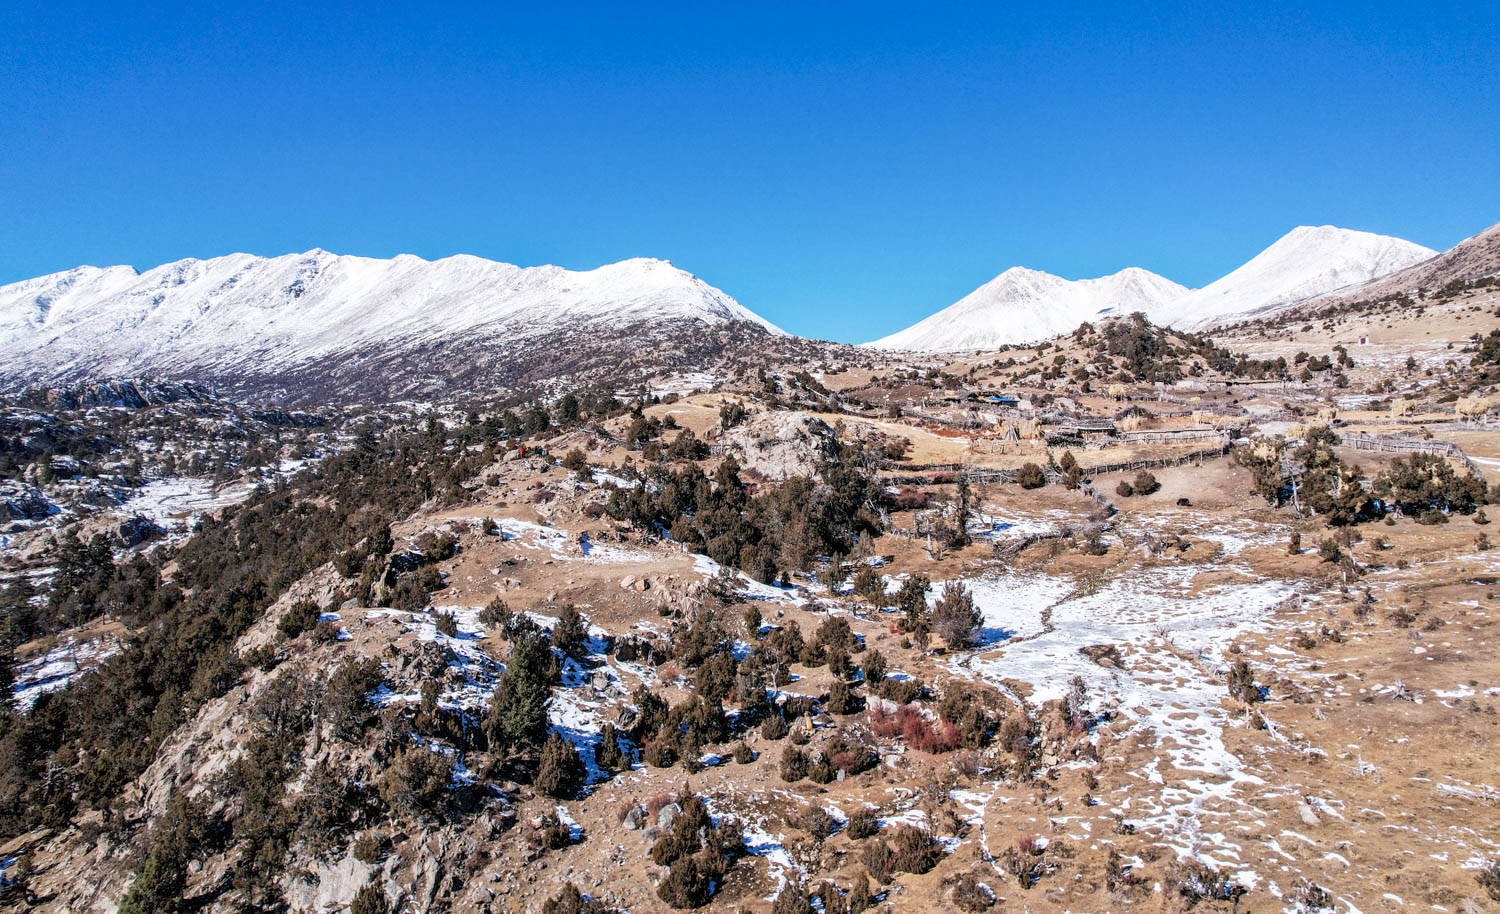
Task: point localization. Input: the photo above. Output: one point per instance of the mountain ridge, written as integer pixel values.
(241, 314)
(1025, 305)
(1022, 305)
(1303, 263)
(1476, 257)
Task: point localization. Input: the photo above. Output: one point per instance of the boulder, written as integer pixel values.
(1307, 815)
(136, 529)
(667, 815)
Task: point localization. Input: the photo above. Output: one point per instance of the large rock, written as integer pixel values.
(782, 444)
(136, 529)
(333, 886)
(667, 815)
(19, 501)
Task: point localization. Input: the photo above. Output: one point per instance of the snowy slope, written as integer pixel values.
(1307, 261)
(1023, 306)
(246, 313)
(1473, 258)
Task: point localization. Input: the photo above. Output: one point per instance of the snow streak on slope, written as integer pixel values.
(1307, 261)
(242, 312)
(1023, 306)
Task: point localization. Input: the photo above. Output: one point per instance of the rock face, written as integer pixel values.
(332, 887)
(779, 445)
(20, 501)
(133, 394)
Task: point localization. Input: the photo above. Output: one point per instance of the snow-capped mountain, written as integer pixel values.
(242, 315)
(1473, 258)
(1305, 262)
(1024, 306)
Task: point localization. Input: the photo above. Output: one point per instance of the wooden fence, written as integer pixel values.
(1167, 436)
(947, 472)
(1386, 444)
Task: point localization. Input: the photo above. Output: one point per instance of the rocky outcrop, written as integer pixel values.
(780, 445)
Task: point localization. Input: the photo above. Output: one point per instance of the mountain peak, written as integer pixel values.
(1305, 262)
(1023, 305)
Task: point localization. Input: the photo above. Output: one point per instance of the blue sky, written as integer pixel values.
(845, 170)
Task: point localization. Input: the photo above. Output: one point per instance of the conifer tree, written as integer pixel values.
(518, 709)
(561, 771)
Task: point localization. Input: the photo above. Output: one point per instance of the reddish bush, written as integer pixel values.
(908, 721)
(655, 804)
(909, 499)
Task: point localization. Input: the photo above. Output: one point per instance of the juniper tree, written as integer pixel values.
(1031, 476)
(517, 720)
(955, 617)
(609, 756)
(561, 771)
(868, 586)
(570, 635)
(912, 600)
(1072, 473)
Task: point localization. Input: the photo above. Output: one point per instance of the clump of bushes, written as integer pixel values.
(418, 782)
(1421, 483)
(794, 764)
(369, 900)
(842, 699)
(1031, 476)
(302, 617)
(915, 729)
(569, 900)
(911, 850)
(698, 852)
(863, 823)
(971, 895)
(1241, 683)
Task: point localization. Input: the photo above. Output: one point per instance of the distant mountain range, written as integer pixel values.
(1305, 262)
(1025, 306)
(382, 328)
(318, 326)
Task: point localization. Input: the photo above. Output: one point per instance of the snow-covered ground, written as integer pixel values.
(1173, 634)
(176, 502)
(58, 667)
(1002, 525)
